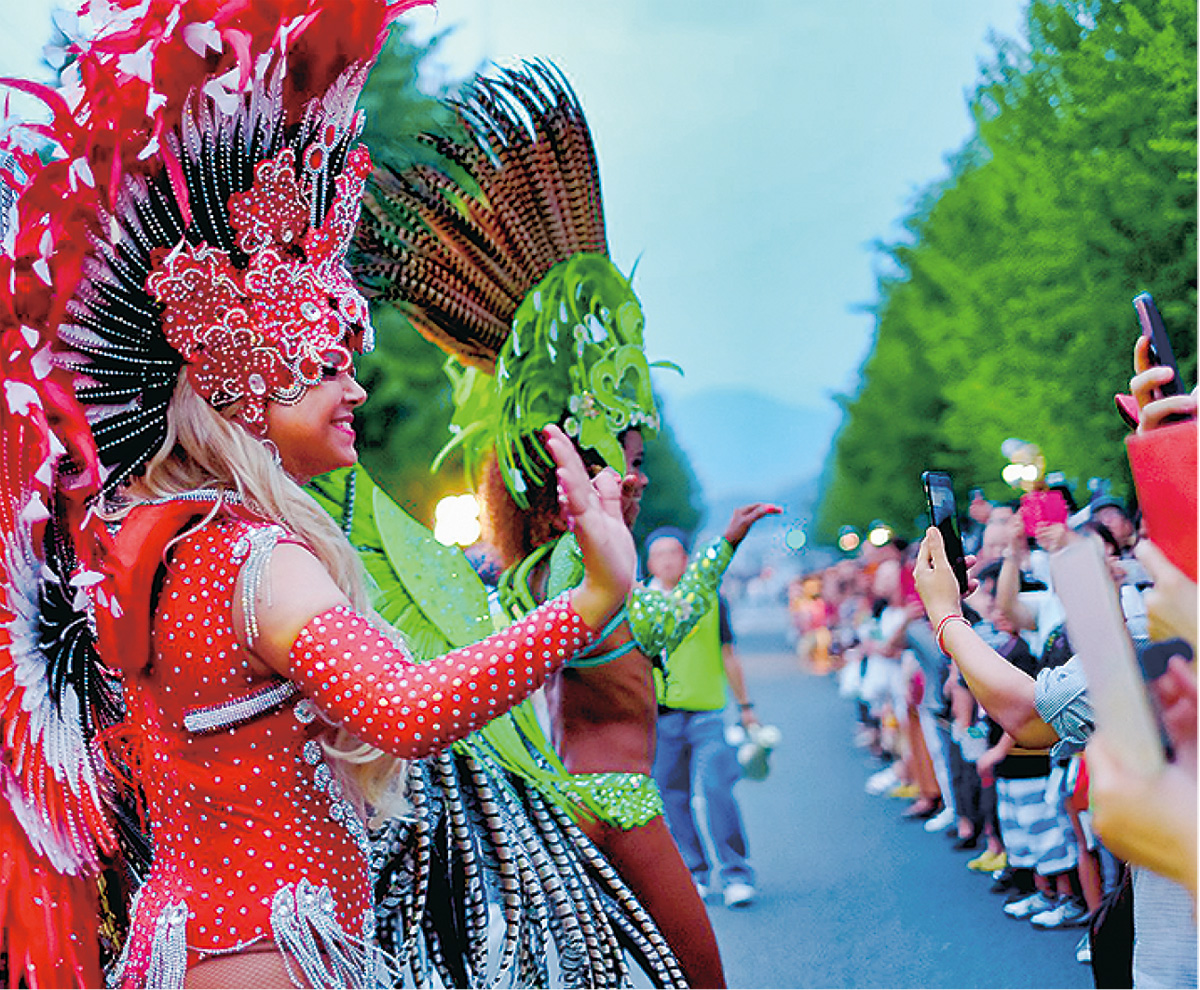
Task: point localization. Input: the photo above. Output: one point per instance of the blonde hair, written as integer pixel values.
(205, 448)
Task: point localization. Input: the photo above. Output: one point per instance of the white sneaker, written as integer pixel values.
(941, 821)
(1027, 907)
(738, 894)
(1067, 913)
(882, 781)
(702, 890)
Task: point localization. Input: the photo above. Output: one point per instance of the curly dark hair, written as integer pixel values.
(515, 532)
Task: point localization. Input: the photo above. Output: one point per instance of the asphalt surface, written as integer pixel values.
(849, 893)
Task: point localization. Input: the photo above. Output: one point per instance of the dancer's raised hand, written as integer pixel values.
(592, 507)
(746, 516)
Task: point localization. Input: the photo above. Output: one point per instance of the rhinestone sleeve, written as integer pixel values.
(360, 679)
(661, 619)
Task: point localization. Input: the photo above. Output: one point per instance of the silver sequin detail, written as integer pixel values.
(238, 711)
(304, 923)
(256, 546)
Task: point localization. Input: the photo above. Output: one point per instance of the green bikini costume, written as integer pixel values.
(499, 256)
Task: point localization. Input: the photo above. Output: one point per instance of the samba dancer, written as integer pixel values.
(191, 276)
(512, 276)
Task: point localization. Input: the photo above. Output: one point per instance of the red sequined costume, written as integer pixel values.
(254, 838)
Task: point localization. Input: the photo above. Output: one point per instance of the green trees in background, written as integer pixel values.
(404, 422)
(1007, 310)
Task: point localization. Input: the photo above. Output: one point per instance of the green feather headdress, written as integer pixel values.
(499, 256)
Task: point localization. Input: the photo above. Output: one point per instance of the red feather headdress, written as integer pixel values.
(192, 141)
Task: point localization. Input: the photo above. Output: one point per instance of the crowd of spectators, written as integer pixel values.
(979, 718)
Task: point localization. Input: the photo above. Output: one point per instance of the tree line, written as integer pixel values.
(1005, 310)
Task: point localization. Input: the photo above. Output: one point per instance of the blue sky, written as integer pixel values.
(750, 154)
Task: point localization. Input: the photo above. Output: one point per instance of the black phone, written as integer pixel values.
(1155, 656)
(1160, 345)
(943, 513)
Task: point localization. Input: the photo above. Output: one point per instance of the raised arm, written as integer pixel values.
(661, 620)
(1008, 694)
(303, 628)
(1008, 581)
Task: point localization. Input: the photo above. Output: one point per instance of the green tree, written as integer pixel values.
(404, 422)
(1006, 311)
(673, 497)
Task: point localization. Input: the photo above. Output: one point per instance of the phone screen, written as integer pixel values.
(943, 513)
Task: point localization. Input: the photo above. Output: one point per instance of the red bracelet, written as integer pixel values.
(941, 629)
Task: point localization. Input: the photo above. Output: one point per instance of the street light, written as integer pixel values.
(1025, 466)
(880, 534)
(796, 538)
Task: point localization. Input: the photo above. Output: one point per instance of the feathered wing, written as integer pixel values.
(458, 247)
(487, 821)
(55, 694)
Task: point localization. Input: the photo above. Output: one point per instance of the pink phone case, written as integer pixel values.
(1043, 507)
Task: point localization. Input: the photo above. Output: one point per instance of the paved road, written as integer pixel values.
(851, 894)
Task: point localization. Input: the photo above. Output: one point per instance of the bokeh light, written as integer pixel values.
(456, 520)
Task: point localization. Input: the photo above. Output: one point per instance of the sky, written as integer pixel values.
(750, 155)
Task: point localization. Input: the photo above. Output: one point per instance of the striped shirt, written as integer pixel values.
(1062, 702)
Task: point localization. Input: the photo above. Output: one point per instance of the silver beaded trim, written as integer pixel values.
(341, 809)
(317, 951)
(200, 495)
(304, 924)
(237, 711)
(256, 546)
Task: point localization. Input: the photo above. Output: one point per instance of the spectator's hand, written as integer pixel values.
(987, 763)
(749, 719)
(1002, 622)
(1176, 694)
(1171, 603)
(1148, 819)
(1052, 537)
(936, 583)
(745, 517)
(1018, 542)
(1146, 384)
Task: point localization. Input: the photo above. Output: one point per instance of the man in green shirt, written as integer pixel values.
(692, 751)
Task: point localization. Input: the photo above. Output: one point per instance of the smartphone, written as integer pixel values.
(1096, 627)
(1160, 345)
(939, 498)
(1039, 508)
(1154, 657)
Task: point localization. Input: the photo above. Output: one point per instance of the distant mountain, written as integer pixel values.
(744, 445)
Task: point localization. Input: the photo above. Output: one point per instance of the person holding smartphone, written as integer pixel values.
(1150, 818)
(1055, 706)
